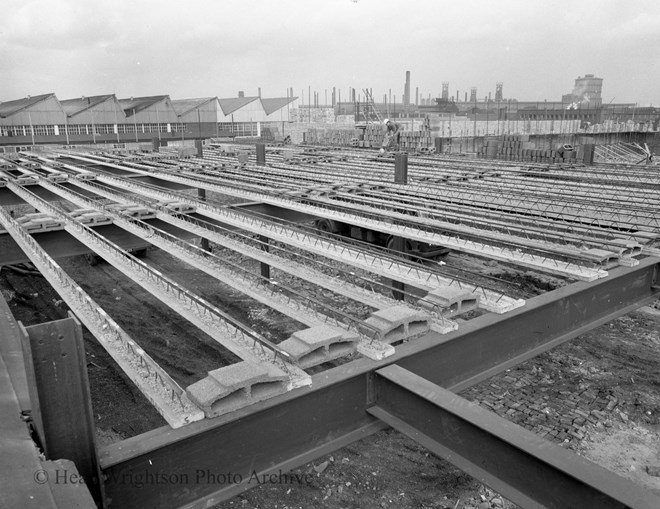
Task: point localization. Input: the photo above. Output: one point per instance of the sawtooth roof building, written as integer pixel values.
(107, 119)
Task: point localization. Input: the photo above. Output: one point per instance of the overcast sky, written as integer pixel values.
(201, 48)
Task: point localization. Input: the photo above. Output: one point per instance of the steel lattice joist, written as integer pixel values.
(212, 460)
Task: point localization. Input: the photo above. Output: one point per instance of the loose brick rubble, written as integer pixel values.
(531, 398)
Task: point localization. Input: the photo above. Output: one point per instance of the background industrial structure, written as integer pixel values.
(269, 303)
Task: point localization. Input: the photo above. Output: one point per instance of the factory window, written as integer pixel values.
(126, 128)
(154, 128)
(239, 128)
(104, 128)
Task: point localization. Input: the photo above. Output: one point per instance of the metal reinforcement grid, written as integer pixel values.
(400, 224)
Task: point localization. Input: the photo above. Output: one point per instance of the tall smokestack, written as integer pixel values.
(406, 92)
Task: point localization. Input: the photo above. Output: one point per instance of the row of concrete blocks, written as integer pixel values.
(242, 384)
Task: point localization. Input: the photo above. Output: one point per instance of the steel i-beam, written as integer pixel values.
(333, 412)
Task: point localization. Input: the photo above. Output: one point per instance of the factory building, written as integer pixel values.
(32, 120)
(106, 119)
(98, 116)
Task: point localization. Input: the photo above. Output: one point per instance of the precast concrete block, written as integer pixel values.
(319, 344)
(397, 324)
(601, 256)
(232, 387)
(624, 247)
(450, 301)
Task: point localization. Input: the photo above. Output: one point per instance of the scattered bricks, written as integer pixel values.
(316, 345)
(611, 405)
(576, 434)
(653, 470)
(581, 413)
(451, 300)
(398, 323)
(236, 386)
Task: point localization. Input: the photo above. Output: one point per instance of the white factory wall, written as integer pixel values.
(107, 112)
(46, 112)
(160, 112)
(209, 111)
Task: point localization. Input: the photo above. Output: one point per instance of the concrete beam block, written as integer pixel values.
(450, 301)
(319, 344)
(398, 323)
(601, 256)
(624, 247)
(236, 386)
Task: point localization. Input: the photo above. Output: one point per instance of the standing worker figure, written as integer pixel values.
(392, 136)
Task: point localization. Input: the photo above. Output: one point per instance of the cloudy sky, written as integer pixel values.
(201, 48)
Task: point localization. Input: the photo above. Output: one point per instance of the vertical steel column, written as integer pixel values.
(399, 243)
(401, 168)
(56, 368)
(201, 194)
(265, 268)
(261, 154)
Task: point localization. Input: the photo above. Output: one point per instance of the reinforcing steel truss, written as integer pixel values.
(412, 391)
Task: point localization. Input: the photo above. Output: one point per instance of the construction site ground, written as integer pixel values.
(598, 395)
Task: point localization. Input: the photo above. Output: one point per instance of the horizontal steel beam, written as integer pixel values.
(172, 468)
(517, 463)
(59, 244)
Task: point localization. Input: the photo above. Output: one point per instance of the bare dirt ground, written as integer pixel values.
(598, 395)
